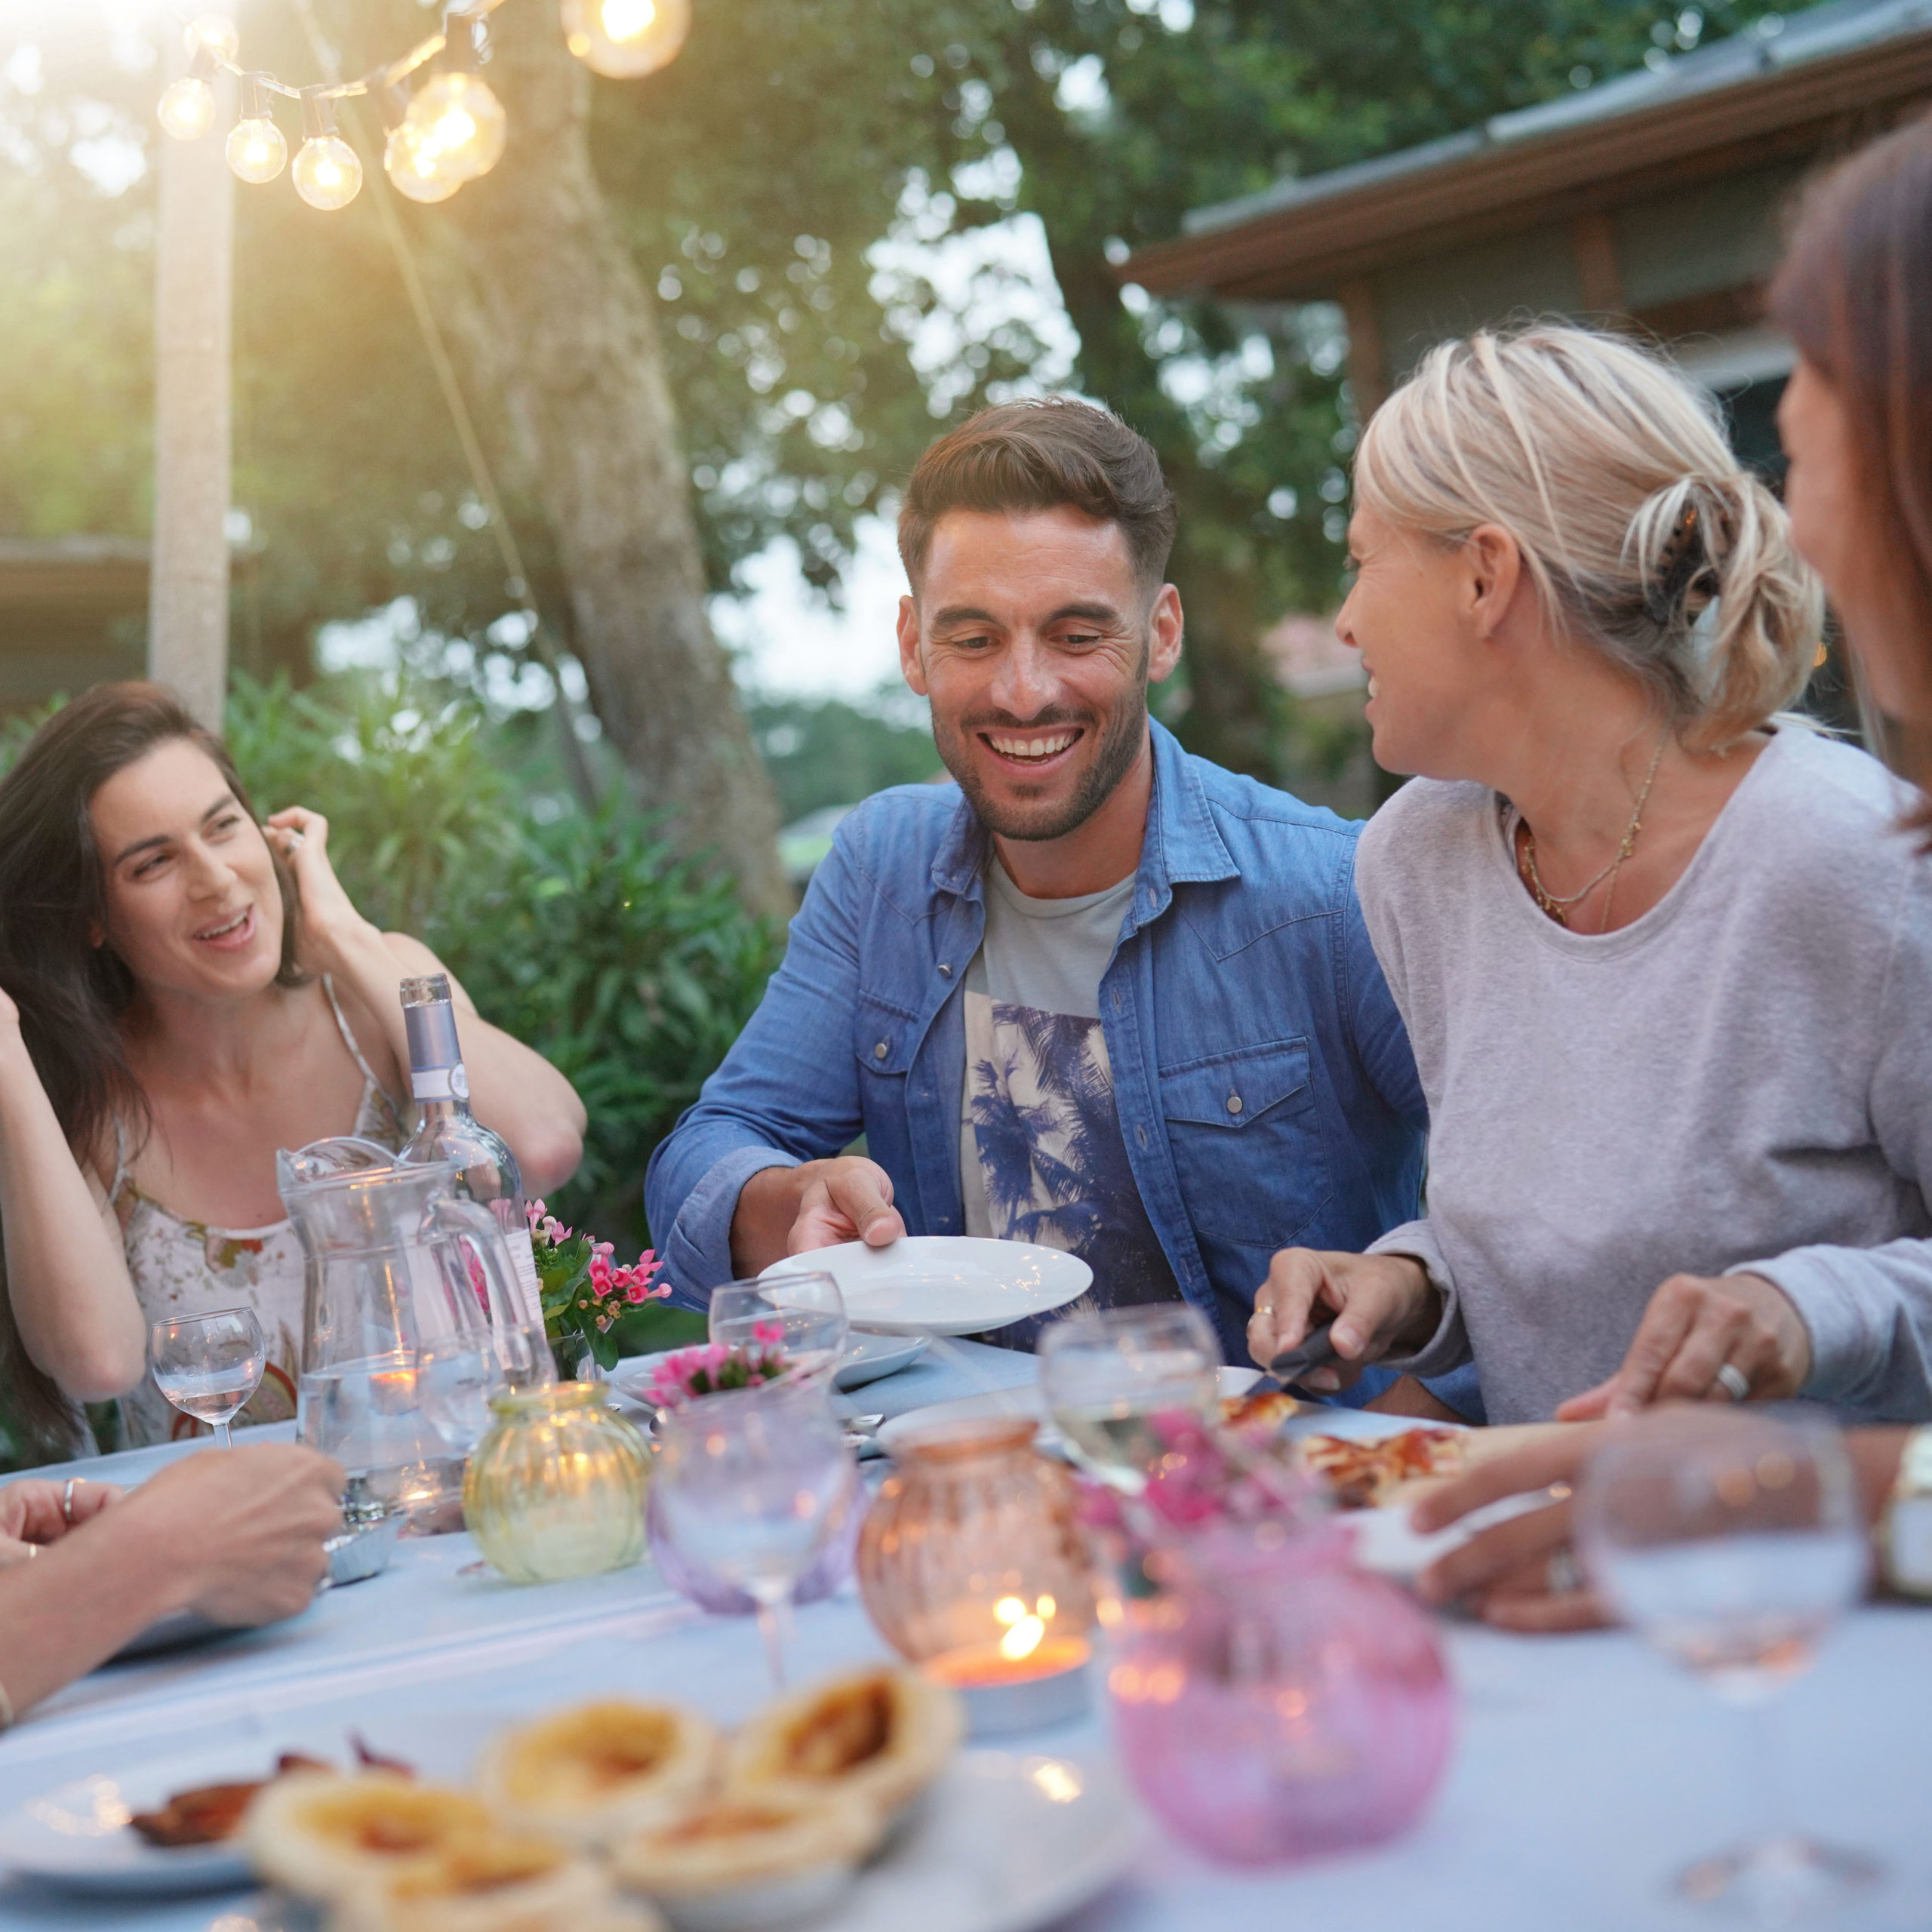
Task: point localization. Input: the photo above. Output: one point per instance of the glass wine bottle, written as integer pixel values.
(487, 1171)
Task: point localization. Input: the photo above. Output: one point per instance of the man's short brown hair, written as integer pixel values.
(1021, 457)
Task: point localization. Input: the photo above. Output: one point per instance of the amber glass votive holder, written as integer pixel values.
(972, 1566)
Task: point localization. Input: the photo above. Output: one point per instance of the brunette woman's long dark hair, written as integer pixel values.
(72, 993)
(1855, 294)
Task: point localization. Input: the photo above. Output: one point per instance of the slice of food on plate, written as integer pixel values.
(320, 1835)
(591, 1773)
(1371, 1474)
(882, 1735)
(505, 1881)
(211, 1814)
(1261, 1410)
(742, 1860)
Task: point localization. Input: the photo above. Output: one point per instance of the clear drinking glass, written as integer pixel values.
(807, 1307)
(751, 1485)
(208, 1365)
(1105, 1376)
(1732, 1541)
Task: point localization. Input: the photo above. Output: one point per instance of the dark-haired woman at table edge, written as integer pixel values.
(182, 992)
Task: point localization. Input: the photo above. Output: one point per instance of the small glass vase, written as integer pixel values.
(556, 1488)
(1272, 1703)
(972, 1563)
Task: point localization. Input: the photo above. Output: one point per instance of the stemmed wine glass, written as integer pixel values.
(753, 1484)
(1105, 1375)
(804, 1314)
(1733, 1542)
(208, 1365)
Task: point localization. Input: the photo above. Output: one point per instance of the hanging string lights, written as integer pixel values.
(448, 130)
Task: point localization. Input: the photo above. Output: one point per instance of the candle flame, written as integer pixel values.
(1009, 1609)
(1022, 1640)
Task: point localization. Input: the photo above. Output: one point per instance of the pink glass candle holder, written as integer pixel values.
(1275, 1704)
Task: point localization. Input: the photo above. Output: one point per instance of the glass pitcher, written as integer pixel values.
(397, 1268)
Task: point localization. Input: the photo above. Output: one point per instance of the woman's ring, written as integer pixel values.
(292, 839)
(67, 1500)
(1733, 1381)
(1561, 1572)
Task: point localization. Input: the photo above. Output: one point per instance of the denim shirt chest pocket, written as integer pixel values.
(1247, 1141)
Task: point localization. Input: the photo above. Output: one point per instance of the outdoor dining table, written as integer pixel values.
(1586, 1769)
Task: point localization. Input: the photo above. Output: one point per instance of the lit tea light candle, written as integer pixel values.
(1024, 1678)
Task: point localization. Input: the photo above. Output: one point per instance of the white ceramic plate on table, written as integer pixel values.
(77, 1835)
(945, 1284)
(867, 1359)
(1024, 1399)
(1004, 1843)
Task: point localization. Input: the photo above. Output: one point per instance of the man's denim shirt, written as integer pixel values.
(1266, 1093)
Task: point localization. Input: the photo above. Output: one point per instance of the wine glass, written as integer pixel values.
(802, 1314)
(751, 1485)
(1105, 1376)
(208, 1365)
(1733, 1542)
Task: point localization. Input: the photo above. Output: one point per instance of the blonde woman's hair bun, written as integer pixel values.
(1642, 534)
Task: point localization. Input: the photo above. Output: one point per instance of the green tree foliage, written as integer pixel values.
(823, 751)
(768, 180)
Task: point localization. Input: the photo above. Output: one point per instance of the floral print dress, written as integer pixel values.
(182, 1267)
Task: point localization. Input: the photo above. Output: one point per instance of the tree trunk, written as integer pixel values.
(561, 326)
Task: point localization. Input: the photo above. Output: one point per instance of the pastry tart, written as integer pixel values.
(883, 1735)
(320, 1835)
(592, 1772)
(743, 1860)
(505, 1882)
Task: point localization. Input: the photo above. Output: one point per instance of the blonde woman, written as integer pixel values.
(1664, 961)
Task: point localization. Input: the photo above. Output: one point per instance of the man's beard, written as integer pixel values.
(1121, 730)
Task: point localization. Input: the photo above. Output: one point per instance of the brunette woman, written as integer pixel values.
(183, 990)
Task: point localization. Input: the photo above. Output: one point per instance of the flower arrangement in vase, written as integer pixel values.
(686, 1375)
(583, 1292)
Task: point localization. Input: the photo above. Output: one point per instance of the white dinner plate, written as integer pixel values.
(945, 1284)
(871, 1358)
(77, 1835)
(1023, 1400)
(1005, 1843)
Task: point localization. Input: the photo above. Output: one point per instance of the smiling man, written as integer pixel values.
(1096, 994)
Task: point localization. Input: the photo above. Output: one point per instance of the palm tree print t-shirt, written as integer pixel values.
(1042, 1155)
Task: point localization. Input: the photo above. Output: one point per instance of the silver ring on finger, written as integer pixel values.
(67, 1500)
(292, 839)
(1561, 1572)
(1733, 1381)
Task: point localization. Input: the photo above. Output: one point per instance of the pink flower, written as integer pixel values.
(769, 1333)
(535, 1210)
(637, 1291)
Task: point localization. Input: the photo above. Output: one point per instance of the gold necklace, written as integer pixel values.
(1557, 908)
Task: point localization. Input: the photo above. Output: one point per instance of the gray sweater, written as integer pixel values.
(1741, 1080)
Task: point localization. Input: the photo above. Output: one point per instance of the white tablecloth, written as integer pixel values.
(1585, 1772)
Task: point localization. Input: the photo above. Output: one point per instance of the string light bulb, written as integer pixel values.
(257, 149)
(216, 35)
(187, 106)
(413, 170)
(327, 173)
(623, 39)
(457, 122)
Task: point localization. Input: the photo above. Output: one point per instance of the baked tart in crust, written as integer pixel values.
(883, 1735)
(506, 1882)
(321, 1835)
(589, 1773)
(743, 1859)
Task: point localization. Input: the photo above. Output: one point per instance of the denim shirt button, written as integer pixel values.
(946, 968)
(880, 1051)
(1234, 1103)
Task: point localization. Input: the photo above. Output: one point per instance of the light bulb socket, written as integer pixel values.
(462, 44)
(203, 63)
(255, 98)
(317, 114)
